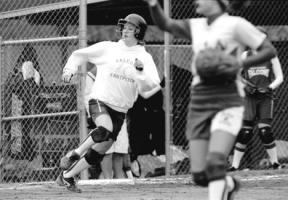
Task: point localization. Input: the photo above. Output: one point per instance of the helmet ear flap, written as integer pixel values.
(137, 32)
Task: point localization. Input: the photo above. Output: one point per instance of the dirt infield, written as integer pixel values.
(255, 186)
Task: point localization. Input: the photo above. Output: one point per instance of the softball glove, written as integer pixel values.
(214, 66)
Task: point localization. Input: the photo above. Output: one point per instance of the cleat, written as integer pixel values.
(277, 166)
(59, 181)
(69, 183)
(74, 188)
(67, 161)
(231, 194)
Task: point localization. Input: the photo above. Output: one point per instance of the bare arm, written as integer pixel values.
(149, 93)
(178, 28)
(278, 73)
(81, 56)
(265, 52)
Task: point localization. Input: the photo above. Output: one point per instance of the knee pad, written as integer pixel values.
(216, 166)
(266, 135)
(93, 157)
(200, 178)
(100, 134)
(245, 135)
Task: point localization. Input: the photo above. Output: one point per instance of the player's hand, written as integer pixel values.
(250, 90)
(138, 64)
(264, 90)
(151, 2)
(67, 76)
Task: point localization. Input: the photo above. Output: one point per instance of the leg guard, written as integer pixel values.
(216, 166)
(68, 160)
(100, 134)
(200, 178)
(93, 157)
(245, 135)
(267, 137)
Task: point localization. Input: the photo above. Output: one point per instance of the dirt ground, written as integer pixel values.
(263, 185)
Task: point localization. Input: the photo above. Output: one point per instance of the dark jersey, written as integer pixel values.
(261, 75)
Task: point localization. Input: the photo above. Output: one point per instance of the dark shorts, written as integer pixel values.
(97, 108)
(258, 108)
(205, 103)
(199, 123)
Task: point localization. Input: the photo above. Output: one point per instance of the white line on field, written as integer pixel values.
(183, 180)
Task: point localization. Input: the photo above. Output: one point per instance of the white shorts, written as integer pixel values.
(228, 120)
(88, 87)
(122, 142)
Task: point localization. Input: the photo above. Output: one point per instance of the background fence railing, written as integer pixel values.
(39, 114)
(41, 117)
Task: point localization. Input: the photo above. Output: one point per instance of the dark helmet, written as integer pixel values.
(223, 4)
(233, 5)
(137, 21)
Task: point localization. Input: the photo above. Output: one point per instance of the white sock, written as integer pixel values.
(237, 157)
(129, 174)
(272, 155)
(76, 169)
(217, 189)
(230, 183)
(86, 144)
(239, 152)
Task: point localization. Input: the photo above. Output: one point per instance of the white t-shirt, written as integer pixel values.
(232, 32)
(117, 82)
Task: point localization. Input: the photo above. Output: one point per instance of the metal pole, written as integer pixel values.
(1, 111)
(43, 8)
(167, 92)
(82, 43)
(38, 40)
(3, 119)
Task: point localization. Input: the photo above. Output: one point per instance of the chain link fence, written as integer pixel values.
(40, 118)
(270, 15)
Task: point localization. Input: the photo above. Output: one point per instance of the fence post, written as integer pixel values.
(167, 93)
(1, 111)
(83, 43)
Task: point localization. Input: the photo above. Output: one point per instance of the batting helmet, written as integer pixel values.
(136, 20)
(233, 5)
(223, 4)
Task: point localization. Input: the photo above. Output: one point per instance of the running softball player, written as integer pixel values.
(113, 164)
(122, 73)
(216, 106)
